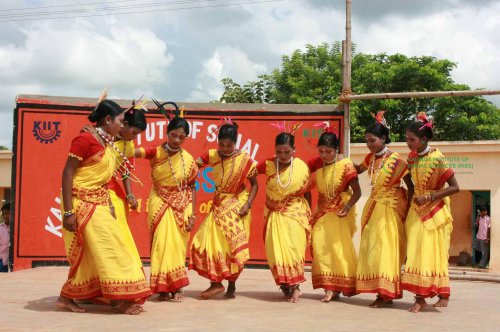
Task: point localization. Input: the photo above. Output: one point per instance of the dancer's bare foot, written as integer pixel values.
(441, 303)
(286, 291)
(178, 295)
(163, 296)
(68, 304)
(330, 296)
(419, 305)
(214, 289)
(231, 289)
(381, 302)
(296, 293)
(127, 307)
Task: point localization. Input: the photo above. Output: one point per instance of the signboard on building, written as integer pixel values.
(45, 127)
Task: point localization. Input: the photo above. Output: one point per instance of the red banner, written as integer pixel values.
(45, 128)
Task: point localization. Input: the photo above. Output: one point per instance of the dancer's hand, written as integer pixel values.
(132, 201)
(345, 210)
(190, 225)
(244, 209)
(69, 223)
(421, 200)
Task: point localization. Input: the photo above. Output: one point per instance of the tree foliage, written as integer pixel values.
(314, 76)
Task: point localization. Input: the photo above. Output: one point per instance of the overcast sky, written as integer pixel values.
(183, 54)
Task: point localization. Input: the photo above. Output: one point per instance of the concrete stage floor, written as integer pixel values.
(27, 303)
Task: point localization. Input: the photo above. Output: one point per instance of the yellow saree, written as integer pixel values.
(382, 246)
(220, 246)
(287, 216)
(334, 257)
(118, 196)
(428, 229)
(102, 261)
(169, 209)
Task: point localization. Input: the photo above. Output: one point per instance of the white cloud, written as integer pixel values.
(129, 53)
(79, 59)
(226, 61)
(467, 37)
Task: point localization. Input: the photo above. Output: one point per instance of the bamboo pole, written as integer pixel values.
(346, 98)
(346, 77)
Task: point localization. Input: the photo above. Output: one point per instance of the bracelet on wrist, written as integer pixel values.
(130, 196)
(433, 197)
(249, 204)
(69, 213)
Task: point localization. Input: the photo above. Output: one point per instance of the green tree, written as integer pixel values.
(314, 76)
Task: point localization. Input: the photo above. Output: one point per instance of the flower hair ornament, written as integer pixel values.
(379, 118)
(169, 114)
(102, 97)
(140, 104)
(325, 126)
(282, 127)
(223, 121)
(422, 116)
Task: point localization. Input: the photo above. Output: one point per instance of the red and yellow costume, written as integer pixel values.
(382, 246)
(334, 257)
(428, 229)
(287, 217)
(102, 261)
(220, 246)
(169, 208)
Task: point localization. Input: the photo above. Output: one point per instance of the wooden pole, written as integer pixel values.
(346, 77)
(346, 98)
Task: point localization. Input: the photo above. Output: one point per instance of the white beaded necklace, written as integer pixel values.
(382, 152)
(105, 136)
(332, 180)
(220, 187)
(109, 140)
(278, 180)
(424, 151)
(181, 185)
(372, 165)
(168, 148)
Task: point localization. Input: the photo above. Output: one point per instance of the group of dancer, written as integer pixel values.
(398, 225)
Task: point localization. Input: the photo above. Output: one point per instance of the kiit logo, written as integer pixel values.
(46, 131)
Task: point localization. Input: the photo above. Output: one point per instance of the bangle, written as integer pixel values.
(69, 213)
(433, 198)
(249, 204)
(130, 196)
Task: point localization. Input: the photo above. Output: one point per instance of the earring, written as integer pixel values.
(107, 122)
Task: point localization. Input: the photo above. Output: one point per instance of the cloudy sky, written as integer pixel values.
(181, 49)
